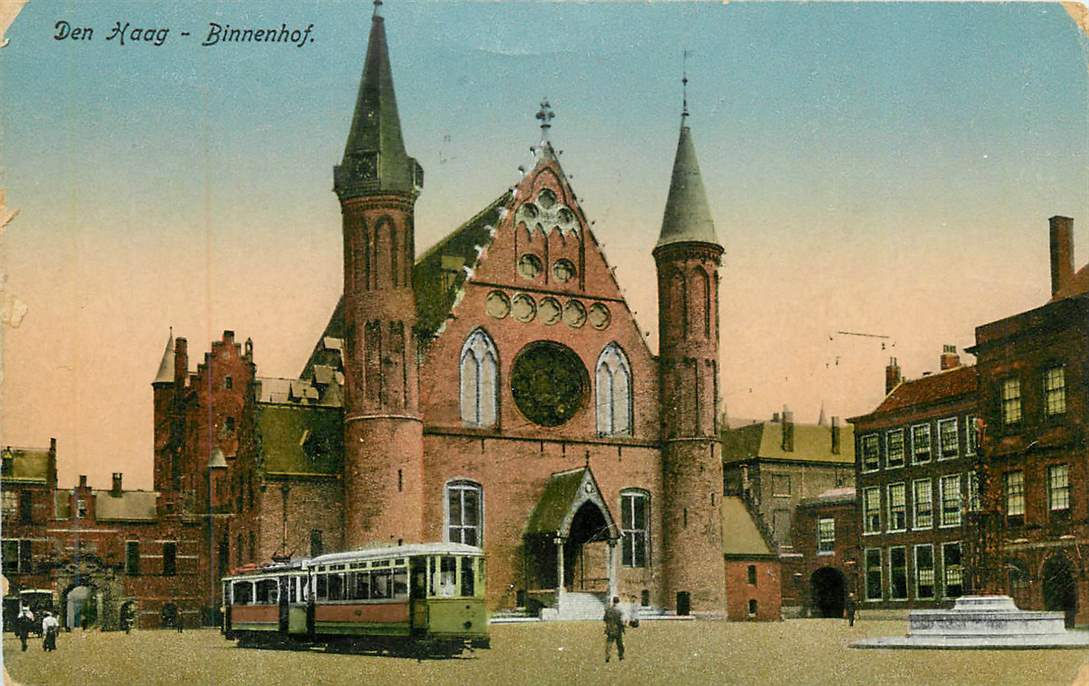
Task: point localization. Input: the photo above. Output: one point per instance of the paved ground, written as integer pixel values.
(793, 652)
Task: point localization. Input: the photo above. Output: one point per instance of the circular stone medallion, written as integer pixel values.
(599, 316)
(574, 314)
(549, 311)
(497, 304)
(529, 266)
(524, 308)
(563, 270)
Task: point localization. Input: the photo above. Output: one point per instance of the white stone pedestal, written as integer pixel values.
(982, 622)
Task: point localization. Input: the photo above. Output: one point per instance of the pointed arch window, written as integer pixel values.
(614, 401)
(479, 380)
(465, 512)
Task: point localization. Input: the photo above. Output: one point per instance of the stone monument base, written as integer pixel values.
(981, 623)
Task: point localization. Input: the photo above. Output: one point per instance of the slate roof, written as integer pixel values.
(29, 464)
(687, 217)
(298, 391)
(130, 506)
(300, 440)
(812, 443)
(435, 297)
(166, 366)
(845, 494)
(944, 385)
(563, 495)
(740, 535)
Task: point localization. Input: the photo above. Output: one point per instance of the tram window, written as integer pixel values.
(419, 579)
(432, 562)
(323, 587)
(266, 592)
(380, 584)
(242, 593)
(362, 586)
(292, 590)
(400, 583)
(336, 587)
(467, 579)
(448, 582)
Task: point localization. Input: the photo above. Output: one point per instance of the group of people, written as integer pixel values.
(26, 623)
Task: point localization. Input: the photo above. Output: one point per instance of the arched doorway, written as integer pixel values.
(1060, 588)
(585, 552)
(828, 592)
(79, 607)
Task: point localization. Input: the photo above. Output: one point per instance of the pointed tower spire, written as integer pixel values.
(166, 367)
(375, 160)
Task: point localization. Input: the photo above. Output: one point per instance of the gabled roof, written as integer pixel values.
(740, 535)
(130, 506)
(944, 385)
(300, 440)
(563, 495)
(28, 464)
(764, 440)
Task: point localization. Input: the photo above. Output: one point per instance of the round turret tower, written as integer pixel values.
(377, 184)
(688, 256)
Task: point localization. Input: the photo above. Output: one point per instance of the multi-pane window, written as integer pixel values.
(132, 557)
(613, 388)
(780, 484)
(924, 571)
(1011, 402)
(894, 448)
(826, 535)
(479, 380)
(898, 583)
(10, 500)
(26, 507)
(1015, 494)
(170, 558)
(871, 453)
(873, 574)
(951, 500)
(81, 508)
(920, 444)
(871, 510)
(464, 516)
(897, 507)
(634, 529)
(973, 492)
(1058, 487)
(16, 556)
(954, 583)
(970, 435)
(947, 439)
(923, 498)
(1055, 391)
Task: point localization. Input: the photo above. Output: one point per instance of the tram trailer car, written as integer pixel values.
(410, 598)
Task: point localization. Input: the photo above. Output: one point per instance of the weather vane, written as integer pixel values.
(377, 5)
(684, 83)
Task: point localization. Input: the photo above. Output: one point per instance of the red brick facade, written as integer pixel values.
(822, 567)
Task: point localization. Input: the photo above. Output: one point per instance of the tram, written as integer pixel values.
(413, 599)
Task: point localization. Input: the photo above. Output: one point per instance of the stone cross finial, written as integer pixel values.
(545, 115)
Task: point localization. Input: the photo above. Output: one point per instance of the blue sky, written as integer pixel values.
(881, 167)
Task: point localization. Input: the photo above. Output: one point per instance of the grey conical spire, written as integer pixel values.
(166, 367)
(374, 156)
(687, 217)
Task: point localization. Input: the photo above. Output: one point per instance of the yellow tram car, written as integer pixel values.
(419, 598)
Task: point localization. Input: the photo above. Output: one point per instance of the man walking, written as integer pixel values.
(50, 626)
(614, 630)
(23, 625)
(852, 607)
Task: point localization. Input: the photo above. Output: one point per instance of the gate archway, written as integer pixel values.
(1060, 588)
(828, 592)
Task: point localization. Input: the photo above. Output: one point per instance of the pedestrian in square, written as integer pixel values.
(614, 629)
(49, 628)
(852, 608)
(23, 625)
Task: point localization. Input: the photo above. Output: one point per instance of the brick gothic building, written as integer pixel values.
(1034, 399)
(94, 551)
(822, 568)
(494, 390)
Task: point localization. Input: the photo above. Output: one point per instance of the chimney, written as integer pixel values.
(116, 490)
(892, 375)
(950, 358)
(181, 361)
(788, 430)
(83, 481)
(774, 417)
(1062, 252)
(835, 435)
(53, 462)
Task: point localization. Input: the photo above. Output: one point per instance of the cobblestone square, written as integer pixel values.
(790, 652)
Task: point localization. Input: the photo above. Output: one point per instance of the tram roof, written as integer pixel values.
(408, 550)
